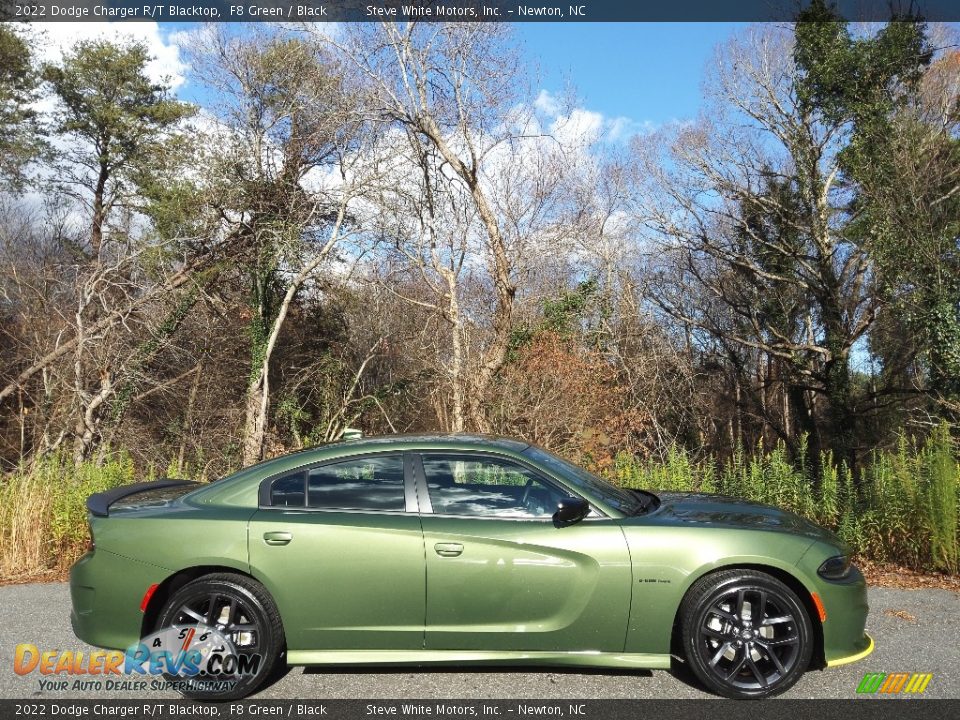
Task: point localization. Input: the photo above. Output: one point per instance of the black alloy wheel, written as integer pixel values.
(241, 611)
(746, 634)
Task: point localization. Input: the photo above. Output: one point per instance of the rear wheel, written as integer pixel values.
(238, 610)
(745, 634)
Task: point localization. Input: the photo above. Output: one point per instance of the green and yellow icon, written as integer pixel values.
(894, 683)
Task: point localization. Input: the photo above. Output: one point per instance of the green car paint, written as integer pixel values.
(346, 581)
(410, 586)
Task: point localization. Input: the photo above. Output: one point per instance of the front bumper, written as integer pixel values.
(855, 657)
(844, 631)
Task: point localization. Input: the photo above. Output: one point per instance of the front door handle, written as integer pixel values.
(448, 549)
(277, 538)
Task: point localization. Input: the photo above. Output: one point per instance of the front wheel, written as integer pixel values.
(233, 626)
(745, 634)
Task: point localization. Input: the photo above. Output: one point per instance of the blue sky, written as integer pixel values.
(648, 72)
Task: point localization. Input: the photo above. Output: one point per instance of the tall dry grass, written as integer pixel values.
(25, 511)
(43, 517)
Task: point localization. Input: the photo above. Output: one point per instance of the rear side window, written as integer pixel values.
(370, 483)
(288, 490)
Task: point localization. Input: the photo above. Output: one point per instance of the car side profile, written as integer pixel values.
(465, 550)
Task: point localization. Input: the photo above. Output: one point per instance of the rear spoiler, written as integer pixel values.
(99, 503)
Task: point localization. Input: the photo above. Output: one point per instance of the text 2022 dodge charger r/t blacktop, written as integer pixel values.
(461, 550)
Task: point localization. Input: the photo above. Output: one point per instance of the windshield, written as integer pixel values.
(623, 500)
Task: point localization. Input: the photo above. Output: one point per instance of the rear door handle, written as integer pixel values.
(448, 549)
(277, 538)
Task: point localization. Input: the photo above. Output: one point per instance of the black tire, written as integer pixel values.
(243, 610)
(732, 653)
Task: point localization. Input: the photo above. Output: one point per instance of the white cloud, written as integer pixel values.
(54, 39)
(547, 103)
(621, 129)
(582, 126)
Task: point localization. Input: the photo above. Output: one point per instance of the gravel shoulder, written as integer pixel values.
(914, 630)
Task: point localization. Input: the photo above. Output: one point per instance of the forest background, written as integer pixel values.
(390, 227)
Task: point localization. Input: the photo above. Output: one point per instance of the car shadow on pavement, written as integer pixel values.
(453, 669)
(682, 672)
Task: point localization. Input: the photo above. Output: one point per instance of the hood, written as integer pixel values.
(728, 512)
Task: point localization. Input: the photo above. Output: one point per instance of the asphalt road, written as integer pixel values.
(914, 630)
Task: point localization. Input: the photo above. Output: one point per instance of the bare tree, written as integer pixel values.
(84, 330)
(444, 86)
(482, 180)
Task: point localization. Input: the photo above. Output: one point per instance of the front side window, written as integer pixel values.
(619, 498)
(488, 487)
(369, 483)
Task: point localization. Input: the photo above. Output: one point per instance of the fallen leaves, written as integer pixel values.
(898, 576)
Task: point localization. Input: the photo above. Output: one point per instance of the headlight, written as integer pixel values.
(835, 568)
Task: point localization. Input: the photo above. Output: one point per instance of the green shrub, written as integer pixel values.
(902, 507)
(69, 517)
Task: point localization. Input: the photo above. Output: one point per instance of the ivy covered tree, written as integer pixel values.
(901, 164)
(282, 181)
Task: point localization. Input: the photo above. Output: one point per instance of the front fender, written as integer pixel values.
(667, 561)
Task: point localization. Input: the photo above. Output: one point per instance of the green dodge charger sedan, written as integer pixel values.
(457, 549)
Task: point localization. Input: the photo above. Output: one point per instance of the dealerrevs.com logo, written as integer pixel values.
(188, 658)
(894, 683)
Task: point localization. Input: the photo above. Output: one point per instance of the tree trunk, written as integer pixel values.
(258, 391)
(841, 415)
(806, 422)
(96, 229)
(763, 378)
(254, 429)
(496, 352)
(188, 417)
(87, 428)
(458, 422)
(785, 401)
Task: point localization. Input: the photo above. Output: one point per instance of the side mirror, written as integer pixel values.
(570, 510)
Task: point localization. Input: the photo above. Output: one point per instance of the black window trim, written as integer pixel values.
(409, 488)
(426, 506)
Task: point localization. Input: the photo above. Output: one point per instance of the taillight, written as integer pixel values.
(146, 597)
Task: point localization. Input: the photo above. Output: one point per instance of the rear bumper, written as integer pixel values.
(105, 593)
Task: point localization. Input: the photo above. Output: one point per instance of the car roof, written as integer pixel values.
(398, 441)
(430, 440)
